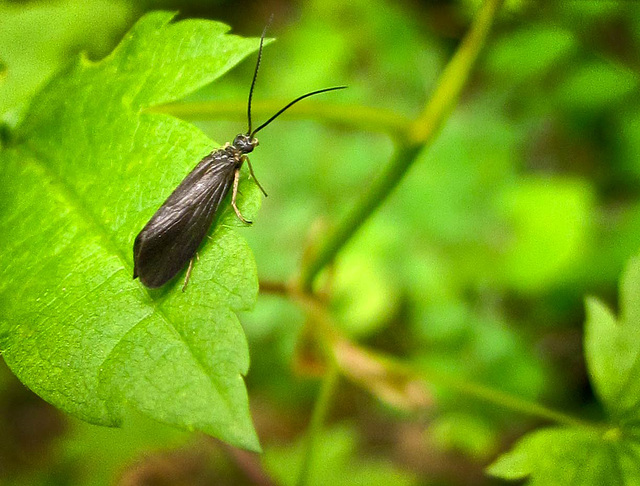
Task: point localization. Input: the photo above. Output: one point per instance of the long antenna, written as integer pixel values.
(255, 73)
(290, 105)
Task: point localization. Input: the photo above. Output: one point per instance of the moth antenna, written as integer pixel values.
(255, 73)
(282, 110)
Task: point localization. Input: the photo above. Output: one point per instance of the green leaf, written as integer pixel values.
(530, 52)
(463, 432)
(568, 457)
(594, 455)
(89, 168)
(37, 40)
(594, 86)
(612, 351)
(551, 225)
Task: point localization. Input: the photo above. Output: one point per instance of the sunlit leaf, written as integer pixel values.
(35, 41)
(571, 457)
(599, 454)
(87, 170)
(550, 224)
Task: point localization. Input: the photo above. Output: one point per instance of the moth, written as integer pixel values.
(171, 238)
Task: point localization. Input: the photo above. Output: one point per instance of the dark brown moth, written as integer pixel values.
(174, 233)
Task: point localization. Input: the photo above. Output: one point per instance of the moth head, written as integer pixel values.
(245, 143)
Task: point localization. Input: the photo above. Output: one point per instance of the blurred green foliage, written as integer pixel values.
(337, 461)
(477, 265)
(37, 39)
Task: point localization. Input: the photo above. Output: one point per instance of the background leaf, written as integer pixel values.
(36, 41)
(87, 171)
(570, 457)
(612, 355)
(606, 454)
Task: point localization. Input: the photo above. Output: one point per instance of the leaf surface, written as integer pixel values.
(604, 454)
(87, 169)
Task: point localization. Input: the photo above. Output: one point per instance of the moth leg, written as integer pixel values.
(254, 176)
(236, 181)
(188, 275)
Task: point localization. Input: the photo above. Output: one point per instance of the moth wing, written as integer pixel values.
(173, 234)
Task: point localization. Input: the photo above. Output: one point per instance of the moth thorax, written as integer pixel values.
(245, 143)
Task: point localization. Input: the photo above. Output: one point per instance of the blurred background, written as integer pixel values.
(477, 265)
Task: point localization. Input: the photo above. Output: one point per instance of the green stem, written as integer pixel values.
(396, 368)
(508, 401)
(487, 394)
(419, 135)
(454, 76)
(357, 117)
(320, 411)
(363, 208)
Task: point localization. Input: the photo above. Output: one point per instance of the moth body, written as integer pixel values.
(173, 234)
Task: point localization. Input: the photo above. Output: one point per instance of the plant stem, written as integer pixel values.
(454, 76)
(508, 401)
(357, 117)
(362, 210)
(320, 411)
(420, 133)
(332, 338)
(273, 287)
